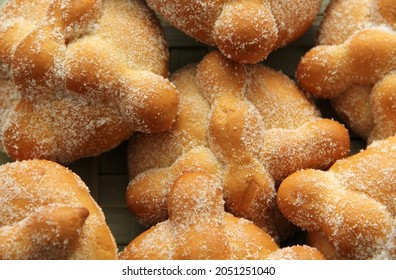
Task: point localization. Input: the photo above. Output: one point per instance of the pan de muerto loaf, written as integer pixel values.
(355, 65)
(46, 212)
(199, 228)
(246, 30)
(246, 123)
(79, 77)
(349, 210)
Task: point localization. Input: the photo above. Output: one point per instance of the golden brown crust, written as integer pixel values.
(343, 18)
(352, 107)
(47, 213)
(82, 77)
(367, 57)
(351, 208)
(357, 43)
(52, 232)
(147, 198)
(199, 228)
(383, 100)
(244, 31)
(235, 121)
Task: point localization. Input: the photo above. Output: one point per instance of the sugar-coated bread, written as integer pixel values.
(349, 210)
(248, 124)
(296, 252)
(47, 212)
(355, 65)
(245, 31)
(79, 77)
(199, 228)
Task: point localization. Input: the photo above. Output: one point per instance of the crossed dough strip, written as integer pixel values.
(350, 209)
(355, 65)
(79, 77)
(246, 123)
(46, 212)
(199, 228)
(245, 31)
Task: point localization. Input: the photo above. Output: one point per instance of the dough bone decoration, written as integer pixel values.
(248, 124)
(79, 77)
(227, 158)
(47, 212)
(349, 211)
(199, 228)
(354, 65)
(245, 31)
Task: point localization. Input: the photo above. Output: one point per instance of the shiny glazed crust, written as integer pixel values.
(46, 212)
(79, 77)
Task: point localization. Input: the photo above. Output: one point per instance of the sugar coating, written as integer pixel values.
(47, 213)
(356, 57)
(199, 228)
(349, 210)
(78, 78)
(245, 31)
(344, 18)
(249, 125)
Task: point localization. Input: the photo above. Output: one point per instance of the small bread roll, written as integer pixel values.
(198, 228)
(349, 210)
(245, 31)
(77, 78)
(248, 124)
(46, 212)
(355, 65)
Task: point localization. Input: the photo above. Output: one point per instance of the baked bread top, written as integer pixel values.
(79, 77)
(249, 124)
(245, 31)
(355, 65)
(350, 209)
(199, 228)
(47, 212)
